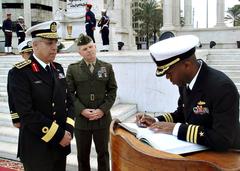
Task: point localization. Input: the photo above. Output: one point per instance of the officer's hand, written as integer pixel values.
(163, 127)
(97, 114)
(66, 140)
(144, 120)
(88, 113)
(17, 125)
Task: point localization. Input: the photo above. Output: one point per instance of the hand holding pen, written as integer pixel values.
(143, 120)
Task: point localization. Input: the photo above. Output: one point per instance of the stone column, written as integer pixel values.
(167, 15)
(118, 10)
(176, 13)
(27, 13)
(1, 13)
(131, 38)
(188, 14)
(220, 13)
(55, 7)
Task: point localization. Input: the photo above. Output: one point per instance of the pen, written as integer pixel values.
(143, 116)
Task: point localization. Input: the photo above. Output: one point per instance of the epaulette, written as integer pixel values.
(22, 64)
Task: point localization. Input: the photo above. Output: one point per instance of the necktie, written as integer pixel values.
(188, 90)
(48, 69)
(50, 73)
(91, 67)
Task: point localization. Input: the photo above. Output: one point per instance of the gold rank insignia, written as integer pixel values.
(45, 129)
(192, 133)
(201, 134)
(22, 64)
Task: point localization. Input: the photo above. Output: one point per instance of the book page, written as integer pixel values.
(164, 142)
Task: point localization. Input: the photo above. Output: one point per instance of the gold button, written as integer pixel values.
(66, 109)
(66, 91)
(54, 113)
(65, 101)
(53, 104)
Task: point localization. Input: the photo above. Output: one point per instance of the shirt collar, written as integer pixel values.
(94, 62)
(191, 84)
(40, 61)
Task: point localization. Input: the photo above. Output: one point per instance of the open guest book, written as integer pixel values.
(160, 141)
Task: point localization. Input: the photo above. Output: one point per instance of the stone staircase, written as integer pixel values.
(228, 61)
(9, 134)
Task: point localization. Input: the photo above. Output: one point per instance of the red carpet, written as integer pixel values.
(10, 165)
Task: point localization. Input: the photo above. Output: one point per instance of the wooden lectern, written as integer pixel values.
(129, 154)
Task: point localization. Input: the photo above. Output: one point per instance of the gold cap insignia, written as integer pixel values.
(53, 27)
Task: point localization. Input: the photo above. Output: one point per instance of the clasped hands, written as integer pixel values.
(92, 114)
(143, 120)
(66, 140)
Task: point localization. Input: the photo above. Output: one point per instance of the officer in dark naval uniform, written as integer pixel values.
(208, 106)
(93, 87)
(90, 22)
(25, 49)
(44, 104)
(7, 29)
(20, 29)
(104, 24)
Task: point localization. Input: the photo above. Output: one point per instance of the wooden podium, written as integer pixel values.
(129, 154)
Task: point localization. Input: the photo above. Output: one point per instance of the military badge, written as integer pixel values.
(99, 74)
(104, 72)
(200, 109)
(53, 27)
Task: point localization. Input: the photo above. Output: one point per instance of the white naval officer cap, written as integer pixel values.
(20, 18)
(47, 30)
(104, 10)
(25, 46)
(168, 52)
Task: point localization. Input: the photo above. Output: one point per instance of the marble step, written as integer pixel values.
(223, 67)
(224, 62)
(4, 108)
(224, 56)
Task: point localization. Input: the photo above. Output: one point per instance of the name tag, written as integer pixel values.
(38, 82)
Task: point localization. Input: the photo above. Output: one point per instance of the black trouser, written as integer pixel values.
(105, 36)
(84, 141)
(58, 165)
(8, 39)
(90, 33)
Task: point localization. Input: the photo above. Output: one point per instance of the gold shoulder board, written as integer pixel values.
(22, 64)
